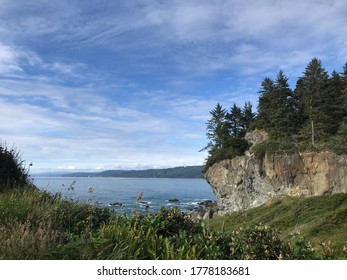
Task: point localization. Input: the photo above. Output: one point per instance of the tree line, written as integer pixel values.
(313, 116)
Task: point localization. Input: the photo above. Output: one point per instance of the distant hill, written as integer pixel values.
(189, 172)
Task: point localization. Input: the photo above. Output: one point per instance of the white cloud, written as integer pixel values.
(274, 26)
(61, 126)
(9, 61)
(128, 83)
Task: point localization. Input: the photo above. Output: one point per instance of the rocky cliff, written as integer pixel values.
(245, 182)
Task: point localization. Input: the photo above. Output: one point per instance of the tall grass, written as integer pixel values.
(321, 221)
(38, 225)
(35, 224)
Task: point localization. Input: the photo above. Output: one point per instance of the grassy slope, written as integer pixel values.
(35, 225)
(318, 219)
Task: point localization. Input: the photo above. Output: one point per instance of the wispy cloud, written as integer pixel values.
(80, 127)
(130, 83)
(205, 34)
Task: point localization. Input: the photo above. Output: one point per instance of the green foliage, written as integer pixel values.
(171, 234)
(314, 227)
(12, 169)
(34, 224)
(303, 250)
(226, 132)
(312, 117)
(338, 142)
(262, 243)
(217, 129)
(156, 236)
(236, 147)
(37, 225)
(278, 107)
(272, 147)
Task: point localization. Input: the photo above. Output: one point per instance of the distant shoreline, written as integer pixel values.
(183, 172)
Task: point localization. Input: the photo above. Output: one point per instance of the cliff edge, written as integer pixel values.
(245, 182)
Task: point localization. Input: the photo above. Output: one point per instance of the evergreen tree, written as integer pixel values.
(235, 121)
(217, 129)
(236, 144)
(344, 88)
(317, 108)
(238, 120)
(333, 104)
(278, 107)
(312, 91)
(226, 131)
(341, 136)
(247, 116)
(264, 104)
(284, 119)
(299, 88)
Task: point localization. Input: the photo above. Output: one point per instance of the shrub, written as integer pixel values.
(273, 146)
(12, 169)
(235, 147)
(171, 234)
(262, 243)
(37, 225)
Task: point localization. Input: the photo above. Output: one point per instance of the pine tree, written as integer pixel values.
(235, 121)
(247, 116)
(265, 103)
(313, 88)
(333, 104)
(217, 129)
(239, 120)
(341, 136)
(278, 107)
(285, 108)
(344, 88)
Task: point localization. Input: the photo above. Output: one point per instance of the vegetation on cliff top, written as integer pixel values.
(313, 116)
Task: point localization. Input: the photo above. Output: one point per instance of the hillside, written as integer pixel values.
(322, 220)
(191, 172)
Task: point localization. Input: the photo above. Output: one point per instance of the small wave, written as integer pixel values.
(145, 202)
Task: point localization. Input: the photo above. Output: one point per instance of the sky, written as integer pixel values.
(95, 85)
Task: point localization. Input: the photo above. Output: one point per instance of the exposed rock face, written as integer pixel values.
(245, 182)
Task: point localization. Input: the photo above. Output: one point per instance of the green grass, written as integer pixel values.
(322, 220)
(37, 225)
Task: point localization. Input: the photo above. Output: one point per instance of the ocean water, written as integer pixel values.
(183, 193)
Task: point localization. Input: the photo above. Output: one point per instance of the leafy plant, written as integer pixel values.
(12, 170)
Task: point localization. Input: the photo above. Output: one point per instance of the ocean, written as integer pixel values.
(120, 194)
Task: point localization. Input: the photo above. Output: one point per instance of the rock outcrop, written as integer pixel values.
(245, 182)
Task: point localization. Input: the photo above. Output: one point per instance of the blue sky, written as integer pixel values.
(93, 85)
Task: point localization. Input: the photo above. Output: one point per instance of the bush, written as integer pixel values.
(171, 234)
(37, 225)
(235, 147)
(12, 169)
(272, 147)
